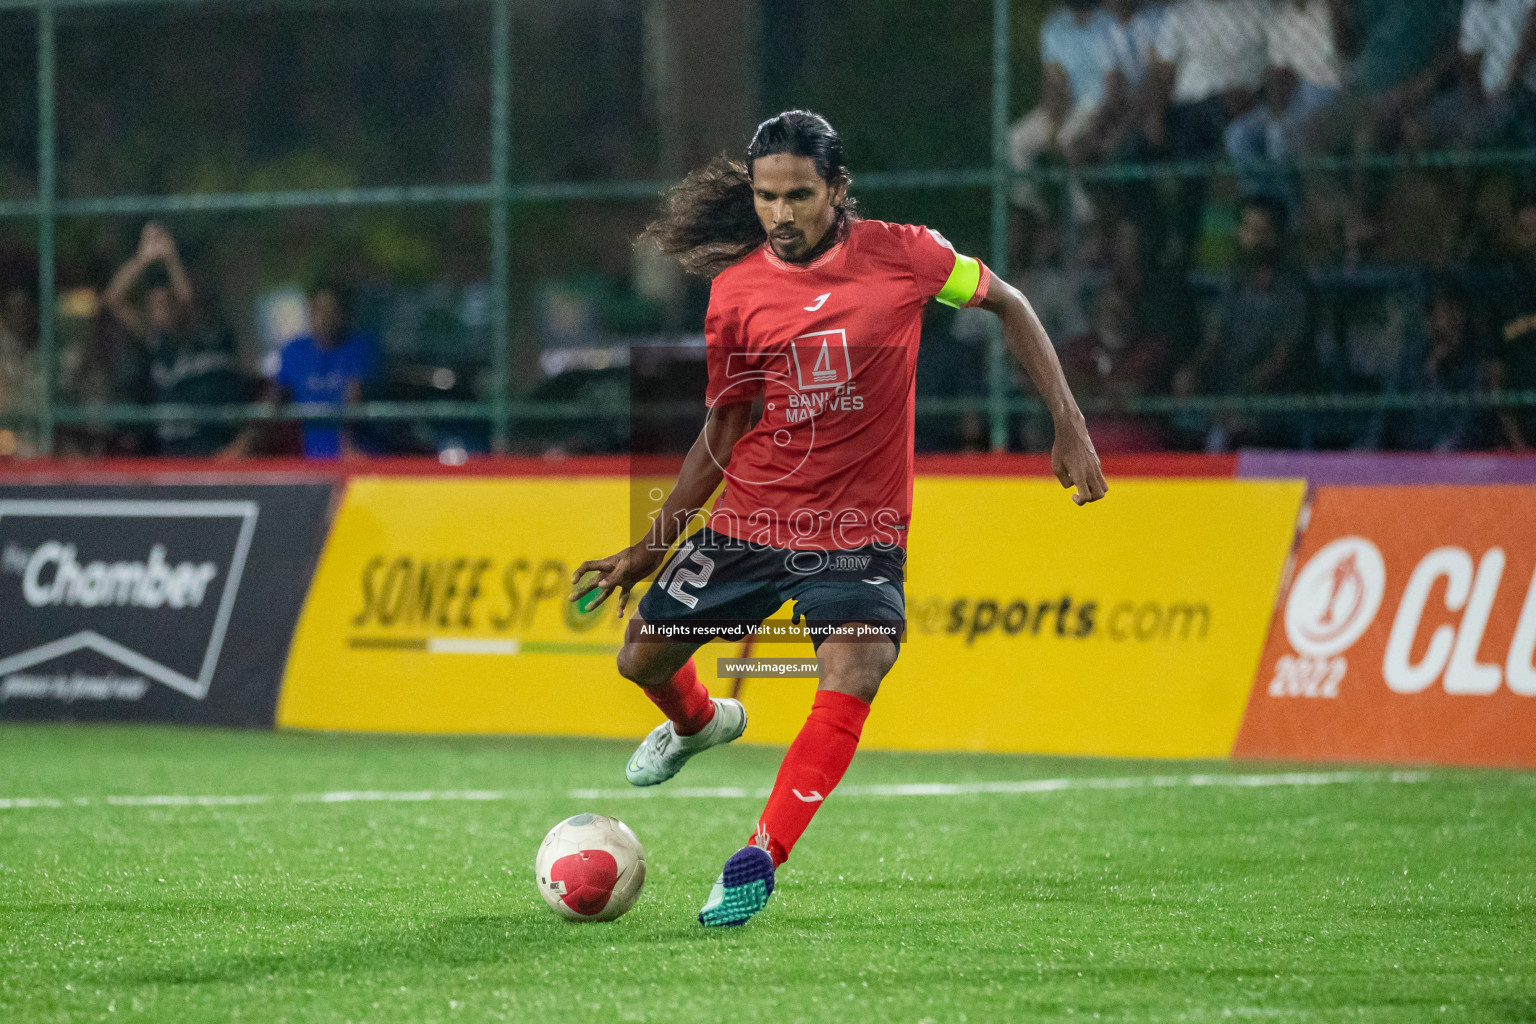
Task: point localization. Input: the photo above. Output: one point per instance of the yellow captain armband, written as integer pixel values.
(963, 282)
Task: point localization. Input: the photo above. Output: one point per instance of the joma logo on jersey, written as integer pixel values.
(822, 359)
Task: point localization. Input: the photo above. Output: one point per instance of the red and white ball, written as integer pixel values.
(590, 868)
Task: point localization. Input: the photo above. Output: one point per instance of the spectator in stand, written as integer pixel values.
(21, 375)
(1364, 349)
(1448, 362)
(183, 360)
(1455, 116)
(1075, 60)
(1129, 36)
(1115, 133)
(1406, 49)
(1514, 327)
(1209, 63)
(1111, 364)
(1306, 41)
(1054, 279)
(1158, 299)
(99, 363)
(1209, 57)
(1255, 336)
(1498, 44)
(329, 366)
(1400, 40)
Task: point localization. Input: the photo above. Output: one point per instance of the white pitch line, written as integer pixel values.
(29, 801)
(1030, 785)
(420, 796)
(340, 797)
(1022, 786)
(183, 801)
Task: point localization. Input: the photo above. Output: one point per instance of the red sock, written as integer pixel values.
(812, 768)
(684, 700)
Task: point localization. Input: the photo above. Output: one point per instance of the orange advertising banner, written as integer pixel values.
(1406, 632)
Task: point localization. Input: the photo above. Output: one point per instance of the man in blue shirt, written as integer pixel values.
(327, 366)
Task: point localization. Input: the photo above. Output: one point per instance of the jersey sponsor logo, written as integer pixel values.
(822, 360)
(803, 407)
(821, 300)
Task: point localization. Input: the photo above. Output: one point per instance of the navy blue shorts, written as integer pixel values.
(727, 586)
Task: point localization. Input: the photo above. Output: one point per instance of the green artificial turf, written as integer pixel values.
(1366, 899)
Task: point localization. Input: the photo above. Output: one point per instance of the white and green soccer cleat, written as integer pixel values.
(741, 890)
(663, 753)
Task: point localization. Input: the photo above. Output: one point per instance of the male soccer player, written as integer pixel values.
(814, 318)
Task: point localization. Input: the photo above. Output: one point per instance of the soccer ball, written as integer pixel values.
(590, 868)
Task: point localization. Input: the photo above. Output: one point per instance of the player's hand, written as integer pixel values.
(1076, 464)
(616, 572)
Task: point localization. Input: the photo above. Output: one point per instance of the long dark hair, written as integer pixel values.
(708, 220)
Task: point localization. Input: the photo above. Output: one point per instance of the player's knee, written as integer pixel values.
(633, 665)
(856, 669)
(861, 682)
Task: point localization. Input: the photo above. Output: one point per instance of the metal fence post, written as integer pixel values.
(997, 369)
(501, 92)
(47, 157)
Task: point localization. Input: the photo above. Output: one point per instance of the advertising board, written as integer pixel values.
(1407, 633)
(152, 603)
(1130, 627)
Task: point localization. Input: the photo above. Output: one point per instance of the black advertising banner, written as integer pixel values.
(151, 603)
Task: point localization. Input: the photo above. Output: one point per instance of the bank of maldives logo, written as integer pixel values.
(822, 360)
(149, 586)
(1335, 598)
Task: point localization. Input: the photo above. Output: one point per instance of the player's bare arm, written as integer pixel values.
(703, 469)
(1073, 459)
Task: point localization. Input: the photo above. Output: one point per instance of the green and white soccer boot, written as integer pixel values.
(741, 890)
(663, 753)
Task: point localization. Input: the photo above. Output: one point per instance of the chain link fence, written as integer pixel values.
(1183, 189)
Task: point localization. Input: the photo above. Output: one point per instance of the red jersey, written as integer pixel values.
(830, 347)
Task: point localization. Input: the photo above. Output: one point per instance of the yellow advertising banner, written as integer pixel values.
(440, 606)
(1132, 627)
(1123, 628)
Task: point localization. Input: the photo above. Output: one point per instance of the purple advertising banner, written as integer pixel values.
(1345, 469)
